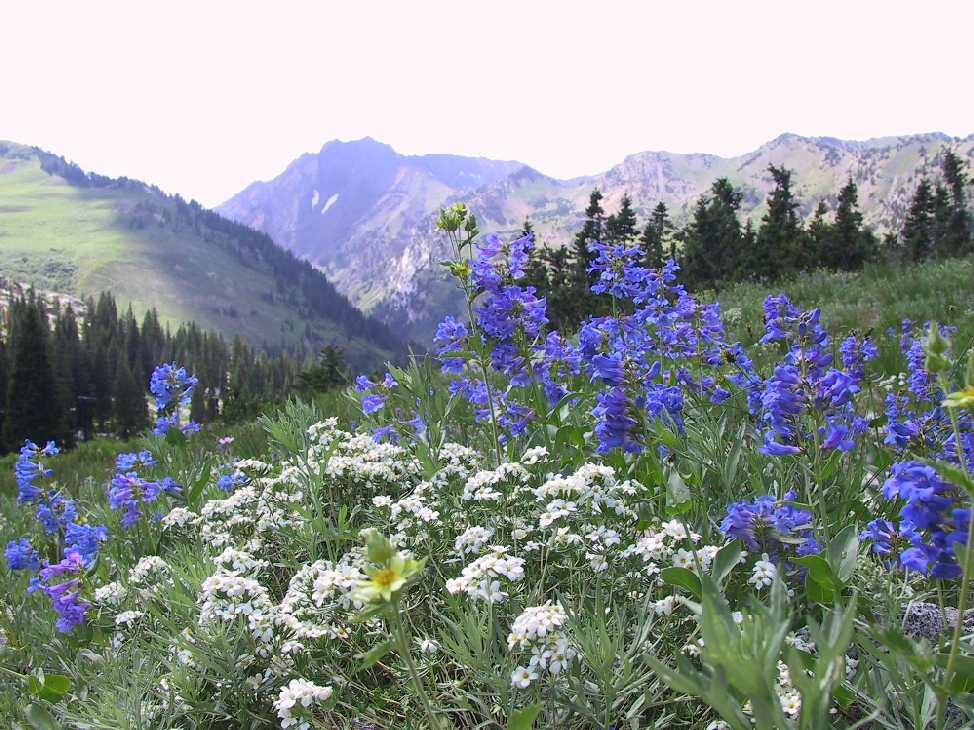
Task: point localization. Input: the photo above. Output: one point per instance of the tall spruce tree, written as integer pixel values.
(592, 230)
(712, 240)
(3, 391)
(655, 236)
(918, 227)
(32, 397)
(621, 227)
(852, 245)
(956, 234)
(778, 243)
(130, 410)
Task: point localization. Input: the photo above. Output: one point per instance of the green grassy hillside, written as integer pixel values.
(82, 235)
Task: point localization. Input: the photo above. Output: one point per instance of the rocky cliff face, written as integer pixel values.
(365, 214)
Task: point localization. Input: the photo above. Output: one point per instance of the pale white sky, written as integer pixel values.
(204, 97)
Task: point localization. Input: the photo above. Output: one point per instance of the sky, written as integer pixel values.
(202, 98)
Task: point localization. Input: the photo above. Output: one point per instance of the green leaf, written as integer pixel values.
(375, 654)
(684, 579)
(570, 435)
(175, 436)
(524, 718)
(820, 571)
(55, 687)
(725, 560)
(956, 475)
(677, 495)
(843, 553)
(40, 717)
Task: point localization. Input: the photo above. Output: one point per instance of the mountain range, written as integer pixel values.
(364, 214)
(76, 233)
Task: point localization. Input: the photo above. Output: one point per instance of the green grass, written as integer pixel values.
(879, 297)
(77, 241)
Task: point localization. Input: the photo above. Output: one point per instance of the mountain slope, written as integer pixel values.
(381, 258)
(79, 233)
(351, 196)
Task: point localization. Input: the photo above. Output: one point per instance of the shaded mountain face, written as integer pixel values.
(365, 214)
(80, 233)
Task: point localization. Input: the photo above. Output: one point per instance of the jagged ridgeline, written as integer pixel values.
(80, 233)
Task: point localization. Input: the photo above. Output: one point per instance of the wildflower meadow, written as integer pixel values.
(652, 521)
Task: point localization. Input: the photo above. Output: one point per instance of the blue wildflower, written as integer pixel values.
(21, 555)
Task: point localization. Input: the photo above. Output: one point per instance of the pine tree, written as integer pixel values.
(130, 410)
(592, 230)
(819, 239)
(852, 245)
(712, 240)
(622, 226)
(535, 272)
(918, 234)
(779, 237)
(655, 235)
(3, 391)
(32, 392)
(956, 238)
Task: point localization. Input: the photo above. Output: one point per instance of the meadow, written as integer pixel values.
(528, 528)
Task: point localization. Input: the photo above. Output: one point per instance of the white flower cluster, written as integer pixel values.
(316, 596)
(178, 517)
(225, 597)
(763, 573)
(295, 703)
(110, 595)
(481, 578)
(473, 540)
(485, 486)
(150, 577)
(127, 619)
(537, 630)
(239, 562)
(358, 459)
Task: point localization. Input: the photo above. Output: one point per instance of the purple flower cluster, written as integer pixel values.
(771, 526)
(21, 555)
(231, 479)
(374, 399)
(172, 386)
(933, 521)
(29, 468)
(807, 383)
(62, 582)
(128, 490)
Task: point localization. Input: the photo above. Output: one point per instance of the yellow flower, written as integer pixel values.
(385, 581)
(963, 398)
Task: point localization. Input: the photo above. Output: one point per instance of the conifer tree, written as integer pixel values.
(918, 234)
(621, 227)
(712, 239)
(779, 237)
(851, 245)
(819, 238)
(956, 235)
(130, 409)
(655, 235)
(592, 230)
(32, 393)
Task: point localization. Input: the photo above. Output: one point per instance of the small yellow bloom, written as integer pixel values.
(385, 581)
(963, 398)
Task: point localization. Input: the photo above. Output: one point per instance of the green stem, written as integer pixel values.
(402, 638)
(965, 577)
